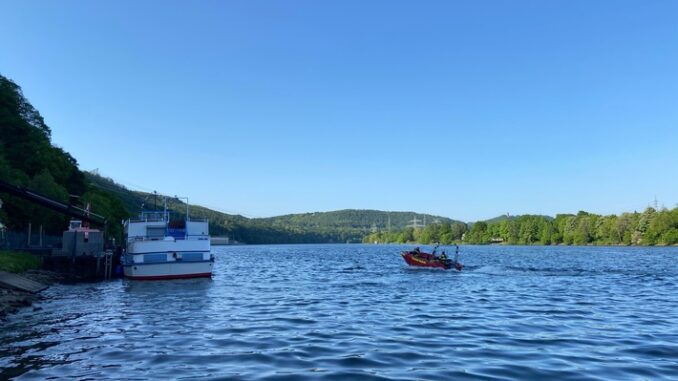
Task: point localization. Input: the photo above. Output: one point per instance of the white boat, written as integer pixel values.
(157, 248)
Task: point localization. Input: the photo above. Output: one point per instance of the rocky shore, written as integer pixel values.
(11, 300)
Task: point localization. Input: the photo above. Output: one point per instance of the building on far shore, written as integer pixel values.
(221, 241)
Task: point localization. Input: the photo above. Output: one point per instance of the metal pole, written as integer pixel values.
(181, 198)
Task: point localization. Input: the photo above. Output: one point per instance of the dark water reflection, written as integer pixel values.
(357, 312)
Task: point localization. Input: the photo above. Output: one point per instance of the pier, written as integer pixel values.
(82, 255)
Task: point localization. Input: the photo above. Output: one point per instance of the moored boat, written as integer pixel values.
(157, 248)
(419, 258)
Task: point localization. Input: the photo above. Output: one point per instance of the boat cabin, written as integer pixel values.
(156, 225)
(80, 240)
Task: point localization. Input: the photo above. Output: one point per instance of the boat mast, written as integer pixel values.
(165, 217)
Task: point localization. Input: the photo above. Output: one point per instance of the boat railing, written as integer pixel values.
(137, 220)
(161, 219)
(151, 216)
(191, 237)
(199, 237)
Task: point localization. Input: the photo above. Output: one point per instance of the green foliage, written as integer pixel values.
(17, 262)
(108, 205)
(28, 159)
(444, 233)
(326, 227)
(648, 228)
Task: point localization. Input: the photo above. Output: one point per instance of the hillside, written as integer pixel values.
(503, 217)
(365, 220)
(338, 226)
(28, 159)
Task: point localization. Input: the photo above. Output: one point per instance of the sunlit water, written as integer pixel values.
(334, 312)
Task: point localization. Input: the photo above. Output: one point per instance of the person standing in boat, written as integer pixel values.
(443, 256)
(434, 250)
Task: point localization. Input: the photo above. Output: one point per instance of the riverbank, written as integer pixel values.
(11, 300)
(18, 261)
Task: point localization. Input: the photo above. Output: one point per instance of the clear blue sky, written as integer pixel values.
(463, 109)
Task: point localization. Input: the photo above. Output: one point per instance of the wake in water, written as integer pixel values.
(500, 270)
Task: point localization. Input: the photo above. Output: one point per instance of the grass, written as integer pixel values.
(17, 262)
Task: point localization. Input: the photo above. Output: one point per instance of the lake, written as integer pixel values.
(335, 312)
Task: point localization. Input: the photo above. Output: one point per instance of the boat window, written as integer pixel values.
(155, 232)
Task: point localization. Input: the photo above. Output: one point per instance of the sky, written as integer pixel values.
(465, 109)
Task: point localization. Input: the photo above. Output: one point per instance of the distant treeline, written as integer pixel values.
(445, 233)
(340, 226)
(651, 227)
(28, 159)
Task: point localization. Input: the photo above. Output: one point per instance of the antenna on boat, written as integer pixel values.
(164, 213)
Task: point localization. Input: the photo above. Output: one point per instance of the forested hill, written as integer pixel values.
(364, 220)
(29, 160)
(321, 227)
(349, 225)
(507, 217)
(498, 219)
(651, 227)
(341, 226)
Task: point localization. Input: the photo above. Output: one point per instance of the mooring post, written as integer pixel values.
(109, 264)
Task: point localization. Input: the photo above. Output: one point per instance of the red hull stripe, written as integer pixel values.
(178, 276)
(424, 262)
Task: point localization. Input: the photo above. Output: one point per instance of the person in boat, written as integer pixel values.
(443, 256)
(416, 250)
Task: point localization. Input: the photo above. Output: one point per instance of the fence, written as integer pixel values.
(10, 240)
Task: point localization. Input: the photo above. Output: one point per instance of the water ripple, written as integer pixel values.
(338, 312)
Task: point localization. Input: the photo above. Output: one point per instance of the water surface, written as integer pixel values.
(334, 312)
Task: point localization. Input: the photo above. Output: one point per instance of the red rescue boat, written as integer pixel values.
(419, 258)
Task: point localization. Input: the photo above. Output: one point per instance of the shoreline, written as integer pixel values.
(11, 300)
(516, 244)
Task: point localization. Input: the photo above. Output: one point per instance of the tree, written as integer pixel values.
(27, 158)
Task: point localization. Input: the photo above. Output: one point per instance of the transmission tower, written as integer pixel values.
(414, 223)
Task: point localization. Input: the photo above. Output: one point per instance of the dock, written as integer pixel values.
(17, 282)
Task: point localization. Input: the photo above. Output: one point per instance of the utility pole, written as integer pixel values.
(414, 223)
